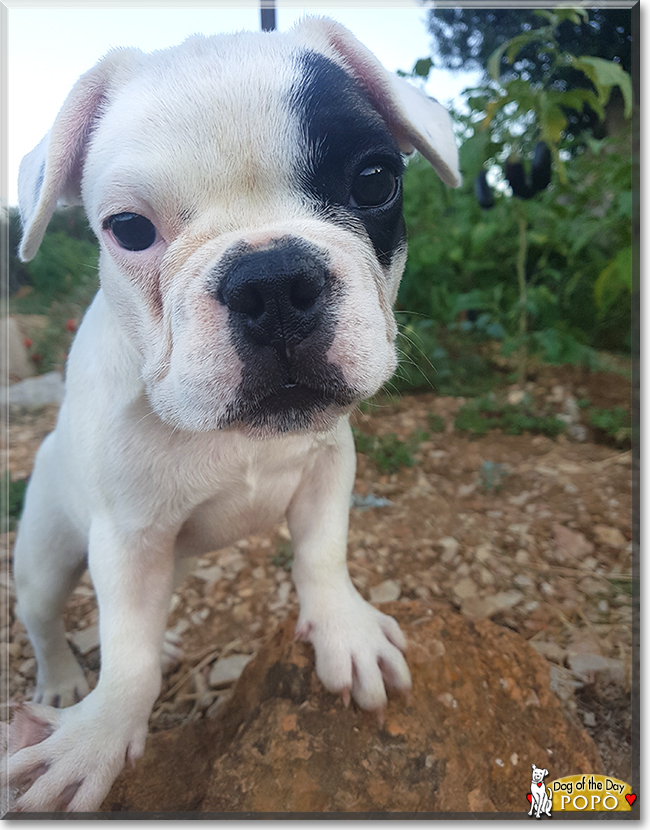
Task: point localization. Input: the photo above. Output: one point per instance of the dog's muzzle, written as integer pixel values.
(282, 302)
(277, 296)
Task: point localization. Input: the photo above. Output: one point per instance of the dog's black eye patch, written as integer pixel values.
(132, 231)
(374, 186)
(351, 166)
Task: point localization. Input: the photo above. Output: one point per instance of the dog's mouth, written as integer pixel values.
(291, 407)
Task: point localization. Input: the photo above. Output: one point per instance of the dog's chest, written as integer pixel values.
(249, 495)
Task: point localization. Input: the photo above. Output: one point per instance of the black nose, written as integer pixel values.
(277, 294)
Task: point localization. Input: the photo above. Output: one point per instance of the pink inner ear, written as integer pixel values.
(26, 729)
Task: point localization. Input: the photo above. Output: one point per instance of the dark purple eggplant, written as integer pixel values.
(516, 176)
(483, 191)
(541, 168)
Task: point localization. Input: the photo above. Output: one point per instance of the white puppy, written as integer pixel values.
(246, 193)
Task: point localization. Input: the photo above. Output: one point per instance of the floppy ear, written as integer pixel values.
(417, 121)
(51, 173)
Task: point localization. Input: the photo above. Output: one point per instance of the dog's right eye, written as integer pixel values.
(132, 231)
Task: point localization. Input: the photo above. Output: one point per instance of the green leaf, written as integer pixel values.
(423, 67)
(605, 75)
(614, 279)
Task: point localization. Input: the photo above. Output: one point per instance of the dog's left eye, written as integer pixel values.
(373, 187)
(132, 231)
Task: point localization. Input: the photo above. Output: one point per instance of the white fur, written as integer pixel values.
(136, 475)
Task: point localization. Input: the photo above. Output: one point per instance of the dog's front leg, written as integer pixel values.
(359, 650)
(82, 749)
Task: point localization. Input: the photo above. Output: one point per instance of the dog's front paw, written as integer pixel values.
(63, 684)
(66, 760)
(359, 650)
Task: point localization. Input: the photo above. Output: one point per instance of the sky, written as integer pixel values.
(49, 45)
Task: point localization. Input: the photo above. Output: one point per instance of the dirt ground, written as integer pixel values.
(531, 531)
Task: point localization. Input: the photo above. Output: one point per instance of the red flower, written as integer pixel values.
(28, 343)
(71, 325)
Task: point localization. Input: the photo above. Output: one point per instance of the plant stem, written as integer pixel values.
(521, 277)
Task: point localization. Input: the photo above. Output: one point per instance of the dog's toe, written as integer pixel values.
(358, 651)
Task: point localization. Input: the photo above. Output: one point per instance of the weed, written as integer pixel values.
(14, 496)
(481, 415)
(615, 423)
(388, 452)
(491, 476)
(283, 557)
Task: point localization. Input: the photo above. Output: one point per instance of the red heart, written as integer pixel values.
(529, 797)
(540, 784)
(630, 798)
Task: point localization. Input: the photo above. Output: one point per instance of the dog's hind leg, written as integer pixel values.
(49, 557)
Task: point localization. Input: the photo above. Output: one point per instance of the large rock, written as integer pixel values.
(13, 352)
(481, 712)
(35, 392)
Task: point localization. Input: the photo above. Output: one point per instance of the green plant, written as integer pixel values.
(283, 557)
(491, 476)
(481, 415)
(615, 423)
(570, 247)
(13, 493)
(388, 452)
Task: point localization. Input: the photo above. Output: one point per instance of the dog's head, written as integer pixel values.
(246, 192)
(538, 774)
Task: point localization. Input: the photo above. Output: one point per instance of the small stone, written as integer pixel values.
(523, 581)
(483, 553)
(209, 575)
(85, 639)
(477, 608)
(571, 543)
(522, 557)
(610, 536)
(549, 650)
(27, 667)
(232, 560)
(532, 699)
(465, 588)
(466, 490)
(386, 591)
(520, 499)
(563, 683)
(514, 759)
(228, 669)
(14, 650)
(516, 396)
(450, 548)
(448, 700)
(589, 718)
(587, 666)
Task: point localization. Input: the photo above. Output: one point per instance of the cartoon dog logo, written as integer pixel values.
(541, 800)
